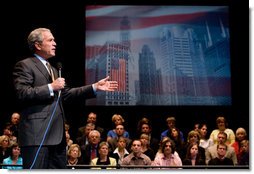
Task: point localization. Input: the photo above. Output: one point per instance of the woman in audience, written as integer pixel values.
(193, 137)
(204, 141)
(116, 119)
(4, 145)
(73, 155)
(240, 136)
(103, 158)
(8, 130)
(14, 158)
(145, 147)
(174, 135)
(145, 127)
(243, 156)
(222, 126)
(120, 152)
(193, 157)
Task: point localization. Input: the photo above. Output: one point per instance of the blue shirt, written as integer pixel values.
(9, 161)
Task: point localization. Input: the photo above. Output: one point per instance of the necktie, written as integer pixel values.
(50, 71)
(93, 153)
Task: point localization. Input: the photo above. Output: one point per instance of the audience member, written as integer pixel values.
(84, 139)
(74, 155)
(168, 156)
(4, 145)
(92, 118)
(171, 123)
(119, 133)
(68, 136)
(211, 152)
(145, 147)
(120, 152)
(136, 157)
(91, 150)
(9, 132)
(175, 136)
(193, 156)
(240, 136)
(204, 142)
(221, 158)
(15, 119)
(14, 158)
(244, 153)
(145, 126)
(193, 137)
(222, 126)
(103, 158)
(117, 119)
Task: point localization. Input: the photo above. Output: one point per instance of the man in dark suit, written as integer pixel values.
(40, 92)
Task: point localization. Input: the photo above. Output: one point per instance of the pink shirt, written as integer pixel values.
(161, 160)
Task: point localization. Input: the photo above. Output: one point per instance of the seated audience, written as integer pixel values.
(117, 119)
(211, 152)
(14, 158)
(145, 127)
(4, 145)
(119, 133)
(240, 136)
(171, 123)
(193, 156)
(222, 125)
(168, 156)
(84, 139)
(136, 157)
(74, 155)
(145, 147)
(120, 152)
(103, 158)
(92, 118)
(193, 137)
(221, 158)
(204, 142)
(91, 150)
(243, 156)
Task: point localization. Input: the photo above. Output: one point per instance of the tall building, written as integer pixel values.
(113, 61)
(184, 82)
(147, 77)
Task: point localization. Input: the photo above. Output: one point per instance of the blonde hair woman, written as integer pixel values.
(103, 158)
(116, 119)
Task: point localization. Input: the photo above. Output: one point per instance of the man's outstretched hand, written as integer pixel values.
(106, 85)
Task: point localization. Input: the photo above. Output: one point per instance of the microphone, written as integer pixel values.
(59, 67)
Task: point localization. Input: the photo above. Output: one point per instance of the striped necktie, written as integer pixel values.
(50, 71)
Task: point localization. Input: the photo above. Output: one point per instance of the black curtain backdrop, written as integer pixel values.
(67, 23)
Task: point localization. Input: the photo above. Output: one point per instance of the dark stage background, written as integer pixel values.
(66, 22)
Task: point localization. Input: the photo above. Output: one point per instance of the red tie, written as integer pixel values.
(93, 153)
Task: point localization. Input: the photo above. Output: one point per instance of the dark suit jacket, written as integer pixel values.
(31, 80)
(86, 153)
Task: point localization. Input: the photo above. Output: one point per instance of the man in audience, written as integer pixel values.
(211, 152)
(91, 150)
(136, 157)
(92, 118)
(221, 158)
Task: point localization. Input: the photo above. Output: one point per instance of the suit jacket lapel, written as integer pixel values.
(42, 68)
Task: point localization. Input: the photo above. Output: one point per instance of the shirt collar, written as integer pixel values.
(41, 59)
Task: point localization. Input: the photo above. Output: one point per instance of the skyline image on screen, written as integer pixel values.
(160, 55)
